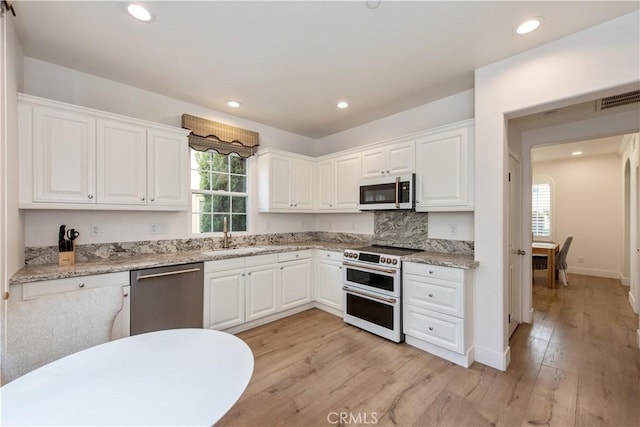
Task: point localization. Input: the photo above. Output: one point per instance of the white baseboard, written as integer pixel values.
(328, 309)
(632, 302)
(464, 360)
(626, 281)
(495, 359)
(610, 274)
(268, 319)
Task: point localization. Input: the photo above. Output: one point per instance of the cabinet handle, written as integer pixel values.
(90, 196)
(430, 295)
(81, 285)
(142, 199)
(431, 328)
(126, 295)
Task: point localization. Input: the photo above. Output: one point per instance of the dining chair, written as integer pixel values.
(561, 260)
(45, 329)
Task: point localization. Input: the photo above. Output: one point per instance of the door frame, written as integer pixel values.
(516, 279)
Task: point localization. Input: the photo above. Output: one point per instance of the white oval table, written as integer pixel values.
(178, 377)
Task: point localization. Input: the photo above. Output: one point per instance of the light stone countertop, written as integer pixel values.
(35, 273)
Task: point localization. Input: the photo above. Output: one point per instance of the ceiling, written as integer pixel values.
(289, 63)
(592, 147)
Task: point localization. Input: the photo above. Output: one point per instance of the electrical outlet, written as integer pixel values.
(95, 230)
(159, 228)
(580, 260)
(453, 229)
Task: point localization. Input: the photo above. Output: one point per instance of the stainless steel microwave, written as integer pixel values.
(388, 193)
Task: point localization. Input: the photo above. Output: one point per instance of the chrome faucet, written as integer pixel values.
(225, 238)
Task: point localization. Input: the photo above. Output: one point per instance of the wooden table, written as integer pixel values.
(549, 249)
(182, 377)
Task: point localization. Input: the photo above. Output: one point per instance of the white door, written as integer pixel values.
(635, 278)
(328, 284)
(347, 181)
(167, 169)
(303, 184)
(515, 246)
(262, 296)
(295, 277)
(374, 162)
(401, 158)
(121, 163)
(224, 305)
(64, 149)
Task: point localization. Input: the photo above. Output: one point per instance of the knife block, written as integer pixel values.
(67, 258)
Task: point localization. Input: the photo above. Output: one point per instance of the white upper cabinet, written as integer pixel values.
(285, 182)
(390, 159)
(64, 150)
(167, 163)
(445, 169)
(122, 163)
(73, 157)
(338, 183)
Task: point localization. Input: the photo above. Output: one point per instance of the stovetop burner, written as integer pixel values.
(388, 250)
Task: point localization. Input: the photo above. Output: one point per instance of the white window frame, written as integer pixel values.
(218, 192)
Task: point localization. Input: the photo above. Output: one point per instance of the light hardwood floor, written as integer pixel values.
(577, 365)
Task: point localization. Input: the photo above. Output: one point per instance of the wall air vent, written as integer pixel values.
(618, 100)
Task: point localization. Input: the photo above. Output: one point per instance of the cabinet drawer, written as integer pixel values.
(48, 287)
(224, 264)
(446, 273)
(292, 256)
(443, 296)
(329, 255)
(438, 329)
(261, 260)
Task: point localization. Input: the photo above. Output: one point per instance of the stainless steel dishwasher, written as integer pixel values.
(167, 298)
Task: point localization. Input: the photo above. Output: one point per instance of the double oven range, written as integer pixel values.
(372, 285)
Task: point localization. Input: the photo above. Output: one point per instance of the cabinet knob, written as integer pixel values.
(81, 285)
(249, 274)
(296, 205)
(142, 199)
(281, 268)
(242, 274)
(153, 199)
(125, 295)
(382, 172)
(430, 271)
(431, 328)
(430, 295)
(328, 255)
(290, 204)
(330, 205)
(90, 196)
(387, 171)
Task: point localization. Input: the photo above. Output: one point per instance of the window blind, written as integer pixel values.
(541, 210)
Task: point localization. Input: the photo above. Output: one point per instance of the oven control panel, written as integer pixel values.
(371, 258)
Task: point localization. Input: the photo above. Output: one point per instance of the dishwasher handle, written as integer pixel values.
(169, 273)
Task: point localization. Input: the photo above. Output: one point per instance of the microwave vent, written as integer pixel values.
(618, 100)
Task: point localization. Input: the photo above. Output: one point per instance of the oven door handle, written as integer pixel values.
(370, 267)
(376, 297)
(397, 190)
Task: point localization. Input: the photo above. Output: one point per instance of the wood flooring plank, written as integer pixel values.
(553, 400)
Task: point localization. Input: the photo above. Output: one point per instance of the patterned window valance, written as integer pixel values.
(225, 139)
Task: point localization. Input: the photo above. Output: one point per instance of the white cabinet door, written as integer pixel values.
(167, 169)
(444, 171)
(121, 163)
(225, 303)
(280, 176)
(302, 193)
(347, 182)
(64, 150)
(374, 162)
(295, 279)
(262, 295)
(326, 185)
(328, 283)
(401, 158)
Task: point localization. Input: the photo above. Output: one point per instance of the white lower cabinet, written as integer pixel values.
(49, 287)
(224, 299)
(437, 311)
(328, 279)
(262, 291)
(295, 279)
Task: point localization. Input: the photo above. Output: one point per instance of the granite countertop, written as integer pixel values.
(443, 259)
(35, 273)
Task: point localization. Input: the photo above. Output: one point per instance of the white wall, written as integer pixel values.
(444, 111)
(566, 71)
(12, 223)
(588, 206)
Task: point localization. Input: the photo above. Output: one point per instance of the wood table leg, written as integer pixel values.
(551, 265)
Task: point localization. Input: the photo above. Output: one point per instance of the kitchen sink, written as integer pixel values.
(236, 251)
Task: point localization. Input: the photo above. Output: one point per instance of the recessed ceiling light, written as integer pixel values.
(233, 104)
(139, 12)
(576, 153)
(342, 104)
(528, 26)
